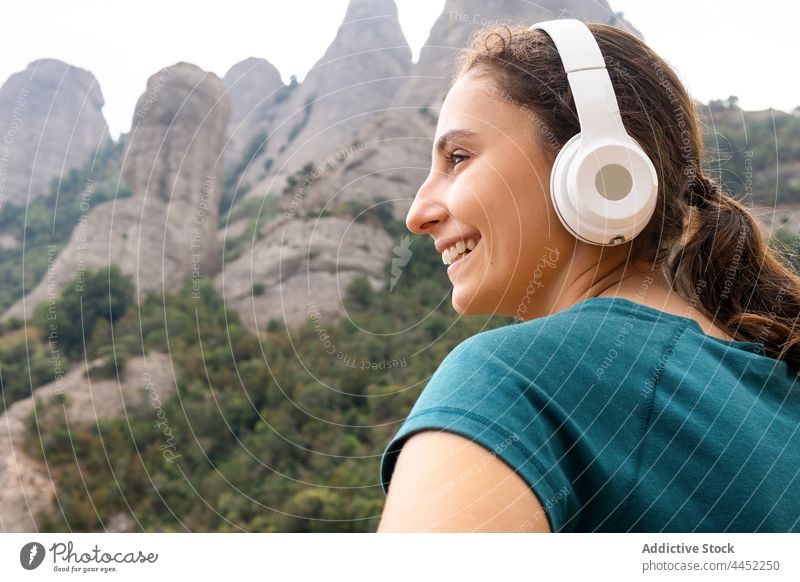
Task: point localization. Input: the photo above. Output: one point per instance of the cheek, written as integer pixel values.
(509, 203)
(467, 203)
(478, 197)
(521, 226)
(531, 202)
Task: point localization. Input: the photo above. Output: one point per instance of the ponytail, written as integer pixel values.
(738, 281)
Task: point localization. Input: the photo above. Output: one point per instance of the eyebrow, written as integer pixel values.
(452, 135)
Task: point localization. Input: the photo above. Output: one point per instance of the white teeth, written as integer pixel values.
(451, 254)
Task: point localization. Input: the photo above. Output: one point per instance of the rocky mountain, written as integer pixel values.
(50, 122)
(367, 73)
(355, 81)
(26, 484)
(301, 268)
(256, 90)
(353, 136)
(302, 261)
(431, 75)
(165, 232)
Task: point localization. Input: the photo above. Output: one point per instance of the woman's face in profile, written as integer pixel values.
(489, 182)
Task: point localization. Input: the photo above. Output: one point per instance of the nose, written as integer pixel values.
(425, 212)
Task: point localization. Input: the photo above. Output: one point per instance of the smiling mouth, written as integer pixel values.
(456, 252)
(461, 256)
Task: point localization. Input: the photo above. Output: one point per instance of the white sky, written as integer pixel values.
(720, 48)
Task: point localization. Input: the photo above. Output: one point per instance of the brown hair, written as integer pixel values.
(708, 244)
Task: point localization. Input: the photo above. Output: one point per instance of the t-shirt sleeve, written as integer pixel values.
(479, 393)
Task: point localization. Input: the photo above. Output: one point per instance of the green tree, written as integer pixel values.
(360, 291)
(89, 297)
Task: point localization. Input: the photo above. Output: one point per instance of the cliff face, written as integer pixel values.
(355, 80)
(304, 267)
(166, 232)
(175, 160)
(50, 123)
(255, 89)
(26, 485)
(304, 259)
(366, 74)
(430, 77)
(389, 161)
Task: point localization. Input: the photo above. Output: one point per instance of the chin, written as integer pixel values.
(460, 306)
(466, 305)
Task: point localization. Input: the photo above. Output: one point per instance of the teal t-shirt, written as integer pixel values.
(622, 417)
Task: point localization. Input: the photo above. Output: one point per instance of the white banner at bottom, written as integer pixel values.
(399, 557)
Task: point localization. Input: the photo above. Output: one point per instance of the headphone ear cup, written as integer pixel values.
(613, 187)
(559, 192)
(625, 174)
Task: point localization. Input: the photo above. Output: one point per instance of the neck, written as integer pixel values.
(613, 275)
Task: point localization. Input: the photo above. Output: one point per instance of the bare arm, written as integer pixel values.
(444, 482)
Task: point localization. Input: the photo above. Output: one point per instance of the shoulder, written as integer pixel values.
(548, 350)
(526, 378)
(542, 395)
(578, 358)
(446, 482)
(469, 455)
(593, 320)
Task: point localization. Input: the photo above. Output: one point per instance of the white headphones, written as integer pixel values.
(603, 185)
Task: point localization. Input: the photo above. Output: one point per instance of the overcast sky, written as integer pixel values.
(720, 48)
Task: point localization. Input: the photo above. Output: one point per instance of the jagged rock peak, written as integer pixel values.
(369, 24)
(50, 73)
(460, 18)
(165, 233)
(50, 122)
(253, 71)
(254, 86)
(362, 9)
(172, 88)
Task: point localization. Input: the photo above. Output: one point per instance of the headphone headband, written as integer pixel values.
(595, 100)
(575, 43)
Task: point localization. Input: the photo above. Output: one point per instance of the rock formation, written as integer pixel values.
(255, 89)
(430, 77)
(367, 74)
(386, 164)
(50, 122)
(166, 232)
(26, 484)
(305, 258)
(301, 268)
(363, 68)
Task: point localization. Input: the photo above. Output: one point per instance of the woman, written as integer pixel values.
(649, 385)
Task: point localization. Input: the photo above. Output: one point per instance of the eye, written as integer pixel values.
(451, 158)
